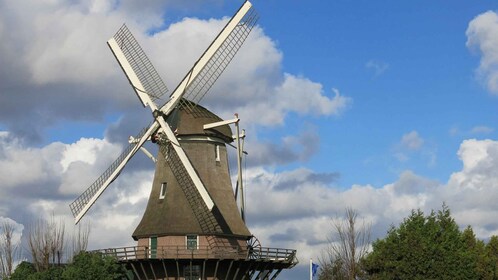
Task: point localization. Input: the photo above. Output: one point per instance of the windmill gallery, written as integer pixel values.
(194, 225)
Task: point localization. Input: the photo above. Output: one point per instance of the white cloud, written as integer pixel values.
(22, 166)
(56, 39)
(480, 159)
(481, 129)
(412, 141)
(84, 150)
(17, 230)
(58, 61)
(290, 209)
(482, 35)
(303, 96)
(471, 194)
(377, 66)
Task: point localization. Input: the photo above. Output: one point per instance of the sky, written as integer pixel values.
(382, 106)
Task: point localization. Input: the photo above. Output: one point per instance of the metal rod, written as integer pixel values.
(239, 166)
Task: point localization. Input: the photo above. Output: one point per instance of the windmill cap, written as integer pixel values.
(189, 119)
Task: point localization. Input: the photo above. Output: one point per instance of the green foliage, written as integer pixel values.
(23, 270)
(85, 265)
(429, 247)
(52, 273)
(93, 266)
(27, 271)
(491, 250)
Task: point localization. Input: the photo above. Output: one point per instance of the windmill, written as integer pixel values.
(192, 227)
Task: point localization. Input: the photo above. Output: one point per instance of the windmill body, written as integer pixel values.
(192, 227)
(172, 212)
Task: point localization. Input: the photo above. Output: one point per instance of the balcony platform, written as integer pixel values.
(177, 262)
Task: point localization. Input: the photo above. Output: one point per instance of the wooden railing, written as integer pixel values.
(275, 254)
(180, 252)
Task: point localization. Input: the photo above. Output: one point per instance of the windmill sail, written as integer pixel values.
(217, 63)
(149, 81)
(214, 60)
(83, 203)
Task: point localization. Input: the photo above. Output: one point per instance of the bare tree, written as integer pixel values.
(58, 230)
(348, 244)
(46, 243)
(80, 238)
(9, 250)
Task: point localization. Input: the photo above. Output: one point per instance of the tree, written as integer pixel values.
(85, 266)
(475, 251)
(91, 266)
(47, 245)
(23, 271)
(46, 241)
(424, 247)
(9, 249)
(80, 238)
(491, 251)
(52, 273)
(348, 244)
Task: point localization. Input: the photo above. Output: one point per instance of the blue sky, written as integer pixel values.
(383, 106)
(406, 67)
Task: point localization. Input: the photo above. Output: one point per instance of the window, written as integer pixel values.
(162, 193)
(217, 152)
(192, 242)
(192, 272)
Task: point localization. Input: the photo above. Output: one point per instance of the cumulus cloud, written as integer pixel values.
(294, 148)
(51, 176)
(479, 158)
(290, 209)
(482, 36)
(305, 208)
(61, 69)
(23, 167)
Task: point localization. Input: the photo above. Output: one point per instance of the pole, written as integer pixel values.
(239, 165)
(311, 269)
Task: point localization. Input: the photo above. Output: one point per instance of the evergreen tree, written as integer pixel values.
(492, 258)
(426, 247)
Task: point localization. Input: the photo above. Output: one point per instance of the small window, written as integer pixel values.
(162, 193)
(192, 242)
(217, 152)
(192, 272)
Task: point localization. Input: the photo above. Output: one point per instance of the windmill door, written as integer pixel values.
(153, 247)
